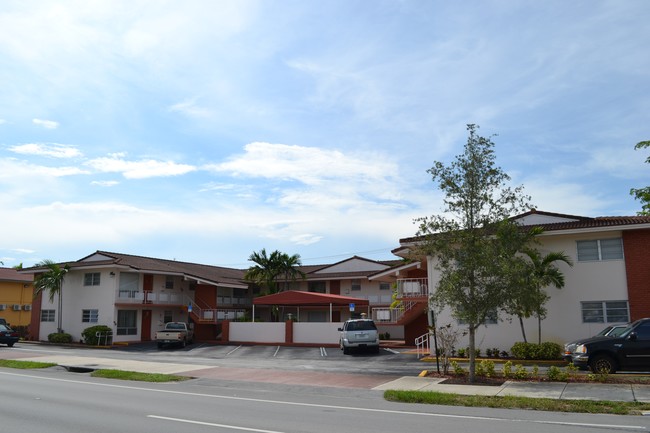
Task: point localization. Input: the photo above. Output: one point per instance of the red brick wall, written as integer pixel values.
(636, 246)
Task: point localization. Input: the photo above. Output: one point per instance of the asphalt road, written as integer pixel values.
(58, 401)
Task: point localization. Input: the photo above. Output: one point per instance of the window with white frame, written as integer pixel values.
(600, 249)
(605, 312)
(168, 316)
(90, 316)
(356, 285)
(127, 322)
(47, 315)
(384, 286)
(169, 282)
(92, 279)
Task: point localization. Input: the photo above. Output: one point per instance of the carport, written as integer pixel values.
(295, 298)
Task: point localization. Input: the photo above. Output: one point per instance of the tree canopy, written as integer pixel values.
(269, 271)
(643, 194)
(51, 282)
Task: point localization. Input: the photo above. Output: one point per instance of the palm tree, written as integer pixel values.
(543, 272)
(289, 269)
(265, 271)
(51, 281)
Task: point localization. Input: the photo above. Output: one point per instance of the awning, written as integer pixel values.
(296, 297)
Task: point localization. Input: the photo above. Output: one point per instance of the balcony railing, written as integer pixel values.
(391, 315)
(136, 297)
(412, 288)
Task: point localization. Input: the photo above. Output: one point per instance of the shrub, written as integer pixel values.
(556, 374)
(520, 372)
(59, 337)
(90, 335)
(507, 369)
(461, 353)
(458, 370)
(544, 351)
(487, 366)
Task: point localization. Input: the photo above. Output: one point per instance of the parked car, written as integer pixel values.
(628, 351)
(359, 334)
(175, 333)
(8, 336)
(609, 331)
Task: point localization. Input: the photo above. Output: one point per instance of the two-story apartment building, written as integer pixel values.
(16, 292)
(609, 281)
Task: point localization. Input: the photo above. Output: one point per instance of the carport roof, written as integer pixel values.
(295, 297)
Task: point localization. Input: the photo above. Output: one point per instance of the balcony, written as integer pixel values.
(137, 297)
(412, 288)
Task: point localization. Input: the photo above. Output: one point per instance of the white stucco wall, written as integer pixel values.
(317, 333)
(585, 281)
(266, 332)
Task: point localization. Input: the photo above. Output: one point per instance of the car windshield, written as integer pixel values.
(365, 325)
(4, 328)
(616, 331)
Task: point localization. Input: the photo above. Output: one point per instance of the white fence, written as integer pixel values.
(316, 333)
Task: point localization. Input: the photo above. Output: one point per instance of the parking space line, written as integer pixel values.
(388, 349)
(232, 351)
(323, 352)
(276, 351)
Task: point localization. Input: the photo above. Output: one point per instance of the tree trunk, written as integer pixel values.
(472, 354)
(523, 331)
(539, 329)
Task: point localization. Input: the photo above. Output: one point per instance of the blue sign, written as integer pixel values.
(189, 307)
(351, 306)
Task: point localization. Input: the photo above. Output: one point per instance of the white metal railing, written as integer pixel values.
(412, 287)
(391, 315)
(422, 345)
(136, 297)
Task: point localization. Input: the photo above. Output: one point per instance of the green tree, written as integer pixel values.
(471, 259)
(289, 269)
(642, 194)
(51, 281)
(543, 272)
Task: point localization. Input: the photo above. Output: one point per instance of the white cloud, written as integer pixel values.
(104, 183)
(2, 121)
(139, 169)
(54, 150)
(308, 165)
(47, 124)
(191, 109)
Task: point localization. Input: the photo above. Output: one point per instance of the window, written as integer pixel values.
(600, 249)
(91, 279)
(605, 312)
(168, 316)
(169, 282)
(89, 316)
(316, 286)
(384, 286)
(126, 322)
(356, 285)
(129, 282)
(47, 315)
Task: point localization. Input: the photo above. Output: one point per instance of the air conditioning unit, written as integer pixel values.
(3, 307)
(27, 307)
(16, 307)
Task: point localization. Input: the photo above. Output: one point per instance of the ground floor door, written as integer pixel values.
(145, 328)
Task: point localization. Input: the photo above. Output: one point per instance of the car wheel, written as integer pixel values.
(183, 343)
(602, 364)
(160, 345)
(10, 344)
(375, 349)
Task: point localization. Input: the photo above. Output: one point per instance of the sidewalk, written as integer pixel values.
(555, 390)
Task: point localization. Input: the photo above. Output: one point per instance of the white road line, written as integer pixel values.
(211, 424)
(327, 406)
(388, 349)
(323, 352)
(276, 351)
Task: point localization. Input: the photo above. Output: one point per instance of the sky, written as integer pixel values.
(203, 131)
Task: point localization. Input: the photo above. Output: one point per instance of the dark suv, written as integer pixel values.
(629, 351)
